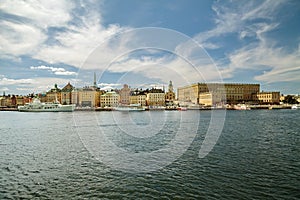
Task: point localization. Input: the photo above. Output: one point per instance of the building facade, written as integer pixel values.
(170, 95)
(53, 95)
(109, 99)
(138, 99)
(86, 97)
(155, 97)
(125, 95)
(220, 93)
(189, 94)
(66, 94)
(209, 99)
(267, 97)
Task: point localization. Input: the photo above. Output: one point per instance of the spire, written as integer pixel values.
(170, 86)
(95, 82)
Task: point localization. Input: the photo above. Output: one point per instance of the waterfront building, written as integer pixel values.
(209, 99)
(220, 93)
(53, 94)
(74, 96)
(109, 99)
(86, 97)
(19, 100)
(3, 101)
(138, 99)
(125, 95)
(189, 94)
(267, 97)
(66, 94)
(155, 97)
(170, 95)
(8, 101)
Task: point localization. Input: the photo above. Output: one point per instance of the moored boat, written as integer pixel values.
(38, 106)
(129, 108)
(241, 107)
(157, 107)
(182, 108)
(295, 106)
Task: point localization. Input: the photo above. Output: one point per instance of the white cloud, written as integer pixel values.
(42, 13)
(253, 19)
(8, 81)
(235, 17)
(24, 33)
(4, 89)
(55, 70)
(19, 39)
(35, 85)
(278, 64)
(109, 84)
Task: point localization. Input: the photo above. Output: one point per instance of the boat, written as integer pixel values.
(157, 107)
(182, 108)
(130, 108)
(37, 106)
(241, 107)
(295, 106)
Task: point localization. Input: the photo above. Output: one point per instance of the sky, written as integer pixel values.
(148, 43)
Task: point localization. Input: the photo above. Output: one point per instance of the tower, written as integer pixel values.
(95, 82)
(170, 87)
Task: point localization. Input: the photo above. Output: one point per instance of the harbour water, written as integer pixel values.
(62, 155)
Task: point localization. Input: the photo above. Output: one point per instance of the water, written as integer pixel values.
(56, 156)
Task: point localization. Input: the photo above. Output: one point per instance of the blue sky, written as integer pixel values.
(147, 43)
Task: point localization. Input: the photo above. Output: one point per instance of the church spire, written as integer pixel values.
(95, 82)
(170, 86)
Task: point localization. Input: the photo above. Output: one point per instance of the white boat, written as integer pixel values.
(129, 108)
(241, 107)
(38, 106)
(295, 106)
(157, 107)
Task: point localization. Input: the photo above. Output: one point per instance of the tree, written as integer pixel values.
(290, 100)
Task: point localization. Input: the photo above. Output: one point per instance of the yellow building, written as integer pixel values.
(138, 99)
(109, 99)
(209, 99)
(267, 97)
(155, 99)
(19, 101)
(221, 93)
(3, 101)
(53, 95)
(189, 93)
(86, 97)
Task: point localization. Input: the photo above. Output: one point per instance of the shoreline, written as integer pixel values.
(253, 107)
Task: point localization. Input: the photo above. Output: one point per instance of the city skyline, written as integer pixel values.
(43, 43)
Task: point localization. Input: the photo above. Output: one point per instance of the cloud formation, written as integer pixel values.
(55, 70)
(254, 19)
(7, 81)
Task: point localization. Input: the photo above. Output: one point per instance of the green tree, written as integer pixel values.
(290, 100)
